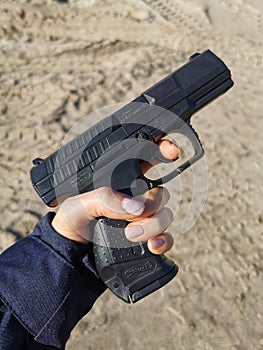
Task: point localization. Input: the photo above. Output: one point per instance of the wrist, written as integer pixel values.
(64, 229)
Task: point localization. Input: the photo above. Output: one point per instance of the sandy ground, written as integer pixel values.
(59, 62)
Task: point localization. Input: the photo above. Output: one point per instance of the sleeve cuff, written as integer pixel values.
(72, 251)
(49, 283)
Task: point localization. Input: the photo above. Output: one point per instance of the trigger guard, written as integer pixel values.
(162, 158)
(192, 136)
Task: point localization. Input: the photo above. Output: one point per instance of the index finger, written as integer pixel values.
(167, 149)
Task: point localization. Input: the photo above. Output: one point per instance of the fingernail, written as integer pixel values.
(157, 243)
(133, 206)
(134, 231)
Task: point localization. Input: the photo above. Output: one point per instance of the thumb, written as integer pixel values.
(107, 202)
(75, 214)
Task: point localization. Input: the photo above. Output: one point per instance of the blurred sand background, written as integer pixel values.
(60, 61)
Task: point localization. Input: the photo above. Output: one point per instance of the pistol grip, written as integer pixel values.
(128, 269)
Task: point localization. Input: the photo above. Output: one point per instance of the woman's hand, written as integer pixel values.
(147, 213)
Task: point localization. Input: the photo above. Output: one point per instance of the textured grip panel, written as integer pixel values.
(129, 269)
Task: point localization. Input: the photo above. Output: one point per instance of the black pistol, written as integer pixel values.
(110, 154)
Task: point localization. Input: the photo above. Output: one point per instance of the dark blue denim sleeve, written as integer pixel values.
(47, 284)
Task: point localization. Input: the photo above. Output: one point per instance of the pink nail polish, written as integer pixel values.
(133, 231)
(133, 206)
(157, 243)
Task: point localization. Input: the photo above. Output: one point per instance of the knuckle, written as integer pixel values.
(104, 195)
(169, 214)
(68, 202)
(169, 240)
(104, 190)
(166, 195)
